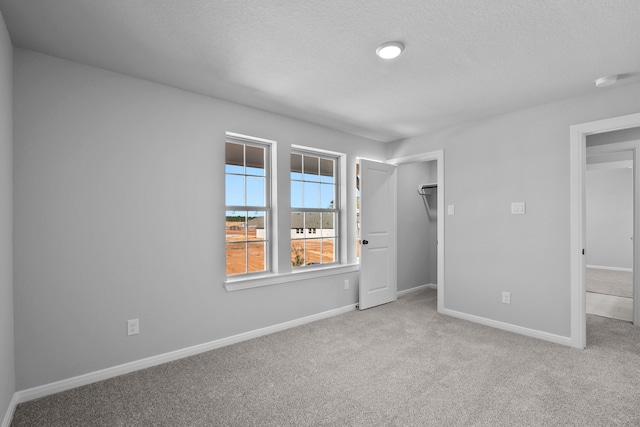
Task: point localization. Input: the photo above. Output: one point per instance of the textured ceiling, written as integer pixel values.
(315, 60)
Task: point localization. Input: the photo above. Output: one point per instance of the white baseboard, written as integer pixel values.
(417, 288)
(8, 416)
(494, 323)
(603, 267)
(103, 374)
(558, 339)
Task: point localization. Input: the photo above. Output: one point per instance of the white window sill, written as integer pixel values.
(236, 284)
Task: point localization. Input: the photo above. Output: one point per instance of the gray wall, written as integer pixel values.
(522, 156)
(120, 214)
(623, 135)
(7, 371)
(609, 217)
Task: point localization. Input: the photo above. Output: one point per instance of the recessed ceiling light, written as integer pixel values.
(389, 50)
(606, 81)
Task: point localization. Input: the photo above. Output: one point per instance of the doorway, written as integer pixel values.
(578, 135)
(417, 225)
(427, 193)
(609, 231)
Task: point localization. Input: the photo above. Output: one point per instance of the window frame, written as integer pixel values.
(269, 147)
(337, 158)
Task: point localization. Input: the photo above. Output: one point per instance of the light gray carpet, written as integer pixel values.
(609, 282)
(401, 364)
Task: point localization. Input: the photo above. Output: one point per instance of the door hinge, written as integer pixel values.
(583, 252)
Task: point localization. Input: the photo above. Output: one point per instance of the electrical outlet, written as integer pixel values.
(133, 327)
(506, 297)
(518, 208)
(346, 284)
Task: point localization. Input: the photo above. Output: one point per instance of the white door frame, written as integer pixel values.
(438, 156)
(577, 166)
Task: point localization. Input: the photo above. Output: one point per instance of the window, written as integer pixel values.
(258, 253)
(314, 208)
(247, 199)
(358, 210)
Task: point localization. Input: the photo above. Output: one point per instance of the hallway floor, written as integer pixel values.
(609, 293)
(620, 308)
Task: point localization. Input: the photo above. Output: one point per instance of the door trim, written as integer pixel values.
(577, 166)
(438, 156)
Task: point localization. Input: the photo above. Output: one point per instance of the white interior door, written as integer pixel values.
(378, 263)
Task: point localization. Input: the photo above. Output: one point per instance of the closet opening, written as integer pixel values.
(420, 199)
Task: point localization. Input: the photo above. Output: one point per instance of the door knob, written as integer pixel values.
(365, 242)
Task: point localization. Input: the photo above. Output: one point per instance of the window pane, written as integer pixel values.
(312, 224)
(236, 258)
(256, 226)
(311, 195)
(297, 223)
(234, 158)
(234, 190)
(328, 250)
(297, 253)
(296, 166)
(327, 173)
(311, 168)
(256, 257)
(327, 196)
(328, 224)
(235, 225)
(255, 191)
(254, 160)
(313, 251)
(296, 194)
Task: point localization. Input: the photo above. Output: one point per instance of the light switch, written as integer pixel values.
(517, 208)
(451, 210)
